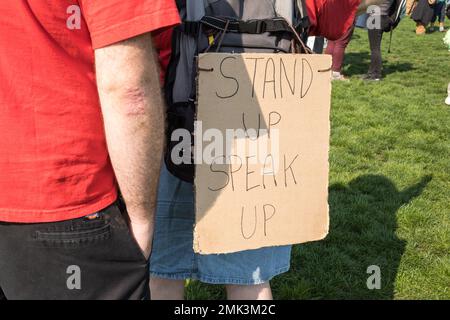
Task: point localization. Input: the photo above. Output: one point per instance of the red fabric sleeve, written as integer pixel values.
(331, 18)
(111, 21)
(162, 40)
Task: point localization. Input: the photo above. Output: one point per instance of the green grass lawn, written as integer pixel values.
(389, 181)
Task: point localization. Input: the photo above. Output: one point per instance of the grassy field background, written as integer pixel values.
(389, 181)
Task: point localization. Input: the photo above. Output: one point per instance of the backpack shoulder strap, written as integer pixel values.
(251, 26)
(301, 14)
(302, 22)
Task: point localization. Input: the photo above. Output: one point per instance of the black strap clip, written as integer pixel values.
(253, 27)
(190, 28)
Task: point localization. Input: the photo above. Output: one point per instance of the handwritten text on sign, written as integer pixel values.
(267, 183)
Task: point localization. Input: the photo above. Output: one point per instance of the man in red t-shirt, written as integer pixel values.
(81, 115)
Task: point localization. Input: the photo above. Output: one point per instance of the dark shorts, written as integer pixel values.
(93, 257)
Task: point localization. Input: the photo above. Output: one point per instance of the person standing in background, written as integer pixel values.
(439, 15)
(375, 38)
(422, 14)
(337, 50)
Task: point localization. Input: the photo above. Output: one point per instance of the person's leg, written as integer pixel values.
(422, 15)
(173, 259)
(330, 47)
(166, 289)
(372, 34)
(338, 57)
(339, 50)
(253, 292)
(375, 37)
(443, 12)
(435, 17)
(447, 100)
(245, 274)
(442, 17)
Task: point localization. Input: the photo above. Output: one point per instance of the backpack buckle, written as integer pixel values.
(190, 28)
(253, 27)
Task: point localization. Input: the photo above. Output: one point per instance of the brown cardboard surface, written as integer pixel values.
(249, 204)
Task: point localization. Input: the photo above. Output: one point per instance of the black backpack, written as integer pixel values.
(397, 12)
(233, 26)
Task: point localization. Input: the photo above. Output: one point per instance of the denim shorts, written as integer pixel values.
(173, 256)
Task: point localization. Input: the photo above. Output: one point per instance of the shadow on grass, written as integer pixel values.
(363, 217)
(362, 233)
(357, 63)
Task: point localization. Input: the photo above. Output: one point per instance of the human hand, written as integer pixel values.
(142, 231)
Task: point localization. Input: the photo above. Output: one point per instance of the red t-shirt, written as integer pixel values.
(54, 163)
(331, 18)
(163, 44)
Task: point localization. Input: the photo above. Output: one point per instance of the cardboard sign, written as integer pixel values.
(264, 128)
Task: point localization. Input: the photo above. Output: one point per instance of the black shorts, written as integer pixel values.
(94, 257)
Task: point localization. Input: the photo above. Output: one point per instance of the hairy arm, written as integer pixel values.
(133, 112)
